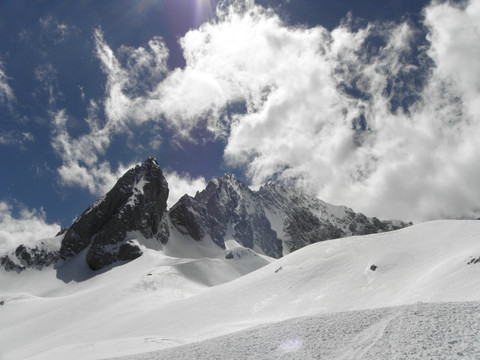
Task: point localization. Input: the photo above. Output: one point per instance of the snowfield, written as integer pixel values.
(411, 293)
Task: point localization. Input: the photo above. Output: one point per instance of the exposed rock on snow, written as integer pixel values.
(138, 201)
(36, 256)
(9, 265)
(239, 253)
(306, 219)
(474, 261)
(24, 257)
(274, 219)
(226, 201)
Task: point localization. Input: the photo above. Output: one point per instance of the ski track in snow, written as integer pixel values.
(419, 331)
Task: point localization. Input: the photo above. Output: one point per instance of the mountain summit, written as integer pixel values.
(227, 210)
(272, 221)
(137, 202)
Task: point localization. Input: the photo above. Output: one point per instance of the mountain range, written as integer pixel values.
(233, 273)
(273, 221)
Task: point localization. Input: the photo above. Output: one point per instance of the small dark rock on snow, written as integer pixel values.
(474, 261)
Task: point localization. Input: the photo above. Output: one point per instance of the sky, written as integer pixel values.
(371, 104)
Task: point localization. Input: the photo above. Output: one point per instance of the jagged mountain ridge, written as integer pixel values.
(274, 220)
(227, 208)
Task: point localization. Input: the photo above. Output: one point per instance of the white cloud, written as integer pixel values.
(6, 92)
(127, 85)
(16, 138)
(415, 165)
(26, 228)
(180, 185)
(55, 30)
(390, 129)
(81, 156)
(46, 74)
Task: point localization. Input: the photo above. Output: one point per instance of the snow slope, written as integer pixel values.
(419, 331)
(159, 301)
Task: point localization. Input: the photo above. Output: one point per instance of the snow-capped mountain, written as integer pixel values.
(196, 283)
(137, 202)
(272, 221)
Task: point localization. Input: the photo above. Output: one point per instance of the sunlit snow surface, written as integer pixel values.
(419, 331)
(422, 301)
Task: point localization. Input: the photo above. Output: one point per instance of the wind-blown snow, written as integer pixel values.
(159, 301)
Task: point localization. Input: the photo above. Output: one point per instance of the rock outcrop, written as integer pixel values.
(137, 202)
(29, 257)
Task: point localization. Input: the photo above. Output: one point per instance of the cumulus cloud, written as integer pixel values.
(26, 228)
(379, 118)
(389, 128)
(180, 185)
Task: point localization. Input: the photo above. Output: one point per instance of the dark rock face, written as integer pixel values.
(36, 256)
(474, 261)
(9, 265)
(308, 220)
(226, 206)
(28, 257)
(137, 202)
(239, 253)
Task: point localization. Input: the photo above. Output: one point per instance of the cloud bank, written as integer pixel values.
(382, 118)
(179, 185)
(27, 228)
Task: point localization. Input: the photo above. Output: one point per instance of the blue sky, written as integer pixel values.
(371, 104)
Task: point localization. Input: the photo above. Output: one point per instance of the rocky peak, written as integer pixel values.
(226, 208)
(307, 219)
(275, 219)
(137, 202)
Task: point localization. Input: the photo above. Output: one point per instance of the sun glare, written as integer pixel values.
(204, 10)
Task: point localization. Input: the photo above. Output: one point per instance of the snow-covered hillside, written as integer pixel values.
(158, 301)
